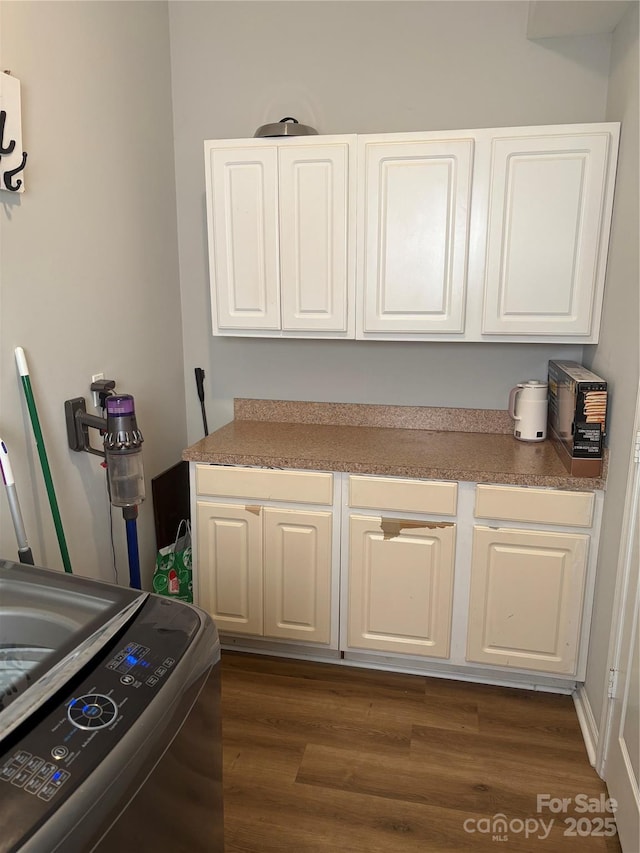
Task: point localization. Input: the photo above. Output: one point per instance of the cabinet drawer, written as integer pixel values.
(538, 506)
(403, 495)
(307, 487)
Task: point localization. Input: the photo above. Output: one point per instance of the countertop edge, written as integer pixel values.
(569, 482)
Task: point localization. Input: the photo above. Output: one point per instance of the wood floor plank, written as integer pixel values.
(497, 755)
(450, 705)
(543, 718)
(283, 696)
(318, 820)
(265, 726)
(329, 820)
(276, 763)
(269, 708)
(465, 789)
(323, 757)
(367, 680)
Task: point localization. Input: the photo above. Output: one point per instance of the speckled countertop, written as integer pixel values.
(473, 445)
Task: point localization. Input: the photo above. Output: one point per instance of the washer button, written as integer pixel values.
(8, 771)
(59, 752)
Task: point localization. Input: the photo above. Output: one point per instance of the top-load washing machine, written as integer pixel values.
(110, 731)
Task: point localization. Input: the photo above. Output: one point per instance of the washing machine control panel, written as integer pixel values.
(63, 743)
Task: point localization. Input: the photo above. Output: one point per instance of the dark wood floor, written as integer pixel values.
(322, 757)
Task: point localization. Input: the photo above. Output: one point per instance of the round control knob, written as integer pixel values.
(91, 712)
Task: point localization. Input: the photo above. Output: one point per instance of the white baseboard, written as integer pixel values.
(587, 722)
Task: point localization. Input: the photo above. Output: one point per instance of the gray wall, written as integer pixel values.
(617, 355)
(358, 67)
(88, 275)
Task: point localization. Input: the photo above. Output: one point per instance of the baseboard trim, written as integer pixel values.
(587, 721)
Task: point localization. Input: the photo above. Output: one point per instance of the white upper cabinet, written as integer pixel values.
(413, 232)
(550, 200)
(281, 220)
(496, 234)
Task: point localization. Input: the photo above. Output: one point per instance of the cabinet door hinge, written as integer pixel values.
(613, 683)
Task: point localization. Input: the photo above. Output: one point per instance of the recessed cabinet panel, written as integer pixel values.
(230, 546)
(314, 230)
(526, 599)
(546, 246)
(400, 585)
(414, 220)
(243, 237)
(297, 575)
(410, 259)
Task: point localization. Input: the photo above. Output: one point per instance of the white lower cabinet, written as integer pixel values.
(265, 571)
(526, 599)
(489, 582)
(400, 585)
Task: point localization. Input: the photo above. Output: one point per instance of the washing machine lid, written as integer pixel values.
(51, 625)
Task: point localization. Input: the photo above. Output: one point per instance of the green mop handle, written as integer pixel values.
(42, 453)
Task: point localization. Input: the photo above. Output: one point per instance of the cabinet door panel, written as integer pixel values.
(545, 239)
(230, 566)
(242, 197)
(401, 585)
(297, 575)
(415, 211)
(527, 590)
(316, 270)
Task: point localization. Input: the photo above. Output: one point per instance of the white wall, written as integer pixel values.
(617, 356)
(89, 278)
(358, 67)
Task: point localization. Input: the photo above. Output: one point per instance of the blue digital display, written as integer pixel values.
(131, 660)
(56, 776)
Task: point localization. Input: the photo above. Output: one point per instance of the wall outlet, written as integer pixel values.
(94, 394)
